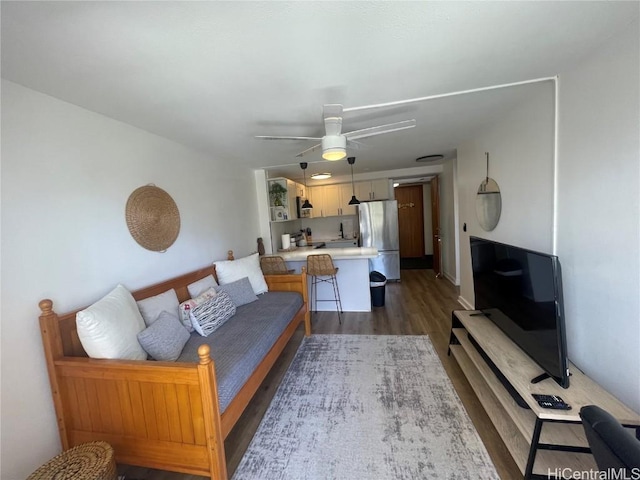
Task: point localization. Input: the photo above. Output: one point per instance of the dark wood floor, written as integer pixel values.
(419, 305)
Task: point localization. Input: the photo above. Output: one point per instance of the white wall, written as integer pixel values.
(598, 200)
(448, 218)
(66, 177)
(598, 235)
(520, 147)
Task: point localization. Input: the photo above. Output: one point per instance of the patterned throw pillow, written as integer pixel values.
(212, 314)
(188, 305)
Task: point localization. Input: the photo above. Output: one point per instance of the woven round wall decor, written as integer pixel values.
(153, 218)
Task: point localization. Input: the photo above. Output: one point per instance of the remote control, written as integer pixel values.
(551, 401)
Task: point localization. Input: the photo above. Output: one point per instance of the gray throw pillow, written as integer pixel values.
(240, 291)
(165, 338)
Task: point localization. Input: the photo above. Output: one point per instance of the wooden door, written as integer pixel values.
(435, 225)
(410, 221)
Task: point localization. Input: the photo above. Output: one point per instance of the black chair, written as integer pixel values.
(613, 446)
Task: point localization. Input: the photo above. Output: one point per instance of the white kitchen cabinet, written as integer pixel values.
(300, 190)
(316, 197)
(332, 204)
(380, 189)
(346, 192)
(373, 190)
(331, 200)
(282, 199)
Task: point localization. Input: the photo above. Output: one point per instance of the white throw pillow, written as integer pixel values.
(109, 327)
(231, 270)
(152, 307)
(201, 286)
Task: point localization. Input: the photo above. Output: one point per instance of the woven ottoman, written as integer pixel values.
(89, 461)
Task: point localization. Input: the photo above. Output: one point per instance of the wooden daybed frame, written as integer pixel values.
(162, 415)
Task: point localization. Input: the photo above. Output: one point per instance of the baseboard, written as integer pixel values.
(463, 301)
(450, 278)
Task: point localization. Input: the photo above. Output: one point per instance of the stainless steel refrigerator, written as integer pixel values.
(379, 228)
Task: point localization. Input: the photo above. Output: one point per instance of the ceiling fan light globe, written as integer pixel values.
(334, 147)
(334, 154)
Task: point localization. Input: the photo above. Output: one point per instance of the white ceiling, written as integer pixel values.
(212, 75)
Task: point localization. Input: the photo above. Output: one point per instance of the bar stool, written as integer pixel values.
(321, 269)
(274, 266)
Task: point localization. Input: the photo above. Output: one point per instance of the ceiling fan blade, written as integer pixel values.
(355, 144)
(309, 150)
(271, 137)
(372, 131)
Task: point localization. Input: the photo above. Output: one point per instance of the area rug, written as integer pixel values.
(366, 407)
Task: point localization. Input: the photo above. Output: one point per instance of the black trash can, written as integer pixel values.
(377, 282)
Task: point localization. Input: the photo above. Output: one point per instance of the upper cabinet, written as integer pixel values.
(331, 200)
(282, 199)
(346, 192)
(317, 199)
(373, 190)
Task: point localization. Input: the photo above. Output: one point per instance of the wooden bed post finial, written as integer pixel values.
(204, 352)
(46, 306)
(230, 255)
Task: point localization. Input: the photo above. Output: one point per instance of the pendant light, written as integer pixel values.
(354, 200)
(306, 205)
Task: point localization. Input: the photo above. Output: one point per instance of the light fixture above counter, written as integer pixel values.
(321, 176)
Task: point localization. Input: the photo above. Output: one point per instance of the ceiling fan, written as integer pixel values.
(334, 143)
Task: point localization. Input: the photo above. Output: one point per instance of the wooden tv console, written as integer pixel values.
(544, 443)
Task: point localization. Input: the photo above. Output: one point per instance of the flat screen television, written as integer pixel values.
(521, 292)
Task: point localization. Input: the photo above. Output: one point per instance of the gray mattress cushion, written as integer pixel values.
(239, 345)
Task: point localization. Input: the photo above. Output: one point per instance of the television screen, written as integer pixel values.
(521, 292)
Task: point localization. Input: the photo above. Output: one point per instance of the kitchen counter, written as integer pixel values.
(348, 253)
(353, 275)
